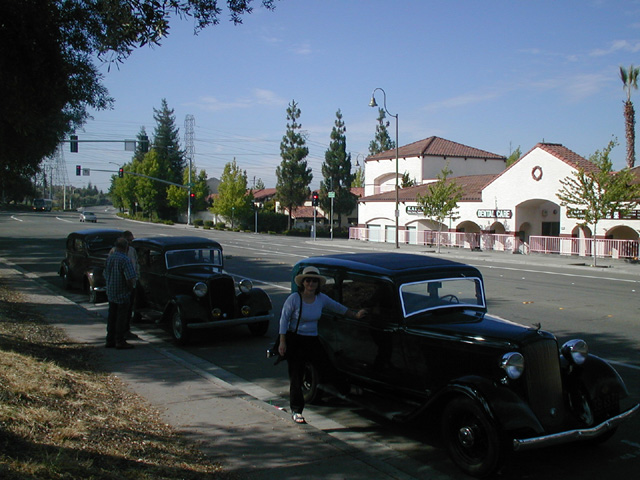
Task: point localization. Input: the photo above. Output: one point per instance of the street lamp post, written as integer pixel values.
(373, 103)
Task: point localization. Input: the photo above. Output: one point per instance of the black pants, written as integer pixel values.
(300, 349)
(117, 322)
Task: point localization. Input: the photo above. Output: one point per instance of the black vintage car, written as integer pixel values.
(182, 278)
(83, 264)
(429, 349)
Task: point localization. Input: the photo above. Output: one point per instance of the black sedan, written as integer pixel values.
(429, 349)
(85, 256)
(183, 280)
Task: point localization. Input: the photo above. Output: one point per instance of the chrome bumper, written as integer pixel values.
(231, 322)
(573, 435)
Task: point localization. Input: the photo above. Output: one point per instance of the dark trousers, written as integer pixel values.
(117, 322)
(300, 349)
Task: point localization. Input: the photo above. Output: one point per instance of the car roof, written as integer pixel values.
(387, 264)
(173, 243)
(97, 231)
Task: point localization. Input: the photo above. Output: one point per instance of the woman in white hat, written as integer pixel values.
(299, 330)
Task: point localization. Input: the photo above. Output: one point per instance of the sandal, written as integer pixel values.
(298, 418)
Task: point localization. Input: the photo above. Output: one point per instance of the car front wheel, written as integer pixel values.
(179, 327)
(310, 383)
(259, 329)
(66, 280)
(471, 438)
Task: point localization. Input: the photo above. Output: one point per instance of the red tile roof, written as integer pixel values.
(264, 193)
(472, 186)
(569, 157)
(305, 212)
(436, 147)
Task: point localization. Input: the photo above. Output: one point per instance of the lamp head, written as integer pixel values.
(373, 103)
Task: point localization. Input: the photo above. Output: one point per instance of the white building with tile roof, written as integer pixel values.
(516, 205)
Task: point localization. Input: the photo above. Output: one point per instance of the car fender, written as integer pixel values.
(95, 277)
(598, 377)
(500, 403)
(257, 299)
(188, 305)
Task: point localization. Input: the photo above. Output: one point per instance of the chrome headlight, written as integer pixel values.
(513, 364)
(576, 351)
(245, 285)
(200, 289)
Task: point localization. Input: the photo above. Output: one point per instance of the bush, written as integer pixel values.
(198, 222)
(208, 224)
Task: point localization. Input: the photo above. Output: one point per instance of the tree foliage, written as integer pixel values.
(293, 175)
(178, 197)
(358, 178)
(382, 141)
(406, 181)
(336, 171)
(441, 200)
(514, 157)
(599, 193)
(234, 201)
(48, 73)
(630, 82)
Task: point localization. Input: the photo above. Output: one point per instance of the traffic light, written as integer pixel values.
(73, 143)
(78, 170)
(314, 199)
(192, 198)
(121, 172)
(144, 144)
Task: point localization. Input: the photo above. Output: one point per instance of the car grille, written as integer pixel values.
(222, 295)
(544, 383)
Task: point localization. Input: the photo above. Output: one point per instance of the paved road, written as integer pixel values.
(570, 300)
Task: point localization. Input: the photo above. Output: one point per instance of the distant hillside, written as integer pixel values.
(213, 184)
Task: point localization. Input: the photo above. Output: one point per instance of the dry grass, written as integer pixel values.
(61, 418)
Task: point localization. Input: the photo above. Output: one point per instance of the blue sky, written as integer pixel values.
(493, 75)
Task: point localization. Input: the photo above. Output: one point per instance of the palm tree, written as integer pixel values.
(630, 81)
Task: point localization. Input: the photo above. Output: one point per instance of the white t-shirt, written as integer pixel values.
(311, 313)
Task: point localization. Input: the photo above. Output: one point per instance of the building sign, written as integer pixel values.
(414, 210)
(494, 213)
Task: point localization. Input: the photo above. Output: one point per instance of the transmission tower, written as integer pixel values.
(54, 169)
(190, 150)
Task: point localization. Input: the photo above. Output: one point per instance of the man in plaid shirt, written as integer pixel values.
(120, 275)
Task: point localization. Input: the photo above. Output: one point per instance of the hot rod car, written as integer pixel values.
(430, 349)
(182, 278)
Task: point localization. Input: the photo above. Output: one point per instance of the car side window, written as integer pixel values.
(156, 261)
(329, 288)
(78, 245)
(374, 295)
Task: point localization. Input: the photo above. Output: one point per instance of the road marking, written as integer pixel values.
(16, 218)
(255, 280)
(593, 277)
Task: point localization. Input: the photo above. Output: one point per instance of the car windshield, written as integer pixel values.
(101, 242)
(194, 256)
(423, 296)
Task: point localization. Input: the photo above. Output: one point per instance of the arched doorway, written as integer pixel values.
(497, 228)
(581, 241)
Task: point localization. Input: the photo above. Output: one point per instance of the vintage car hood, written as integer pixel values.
(195, 273)
(477, 327)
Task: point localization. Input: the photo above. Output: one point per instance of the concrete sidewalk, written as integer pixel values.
(240, 424)
(236, 425)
